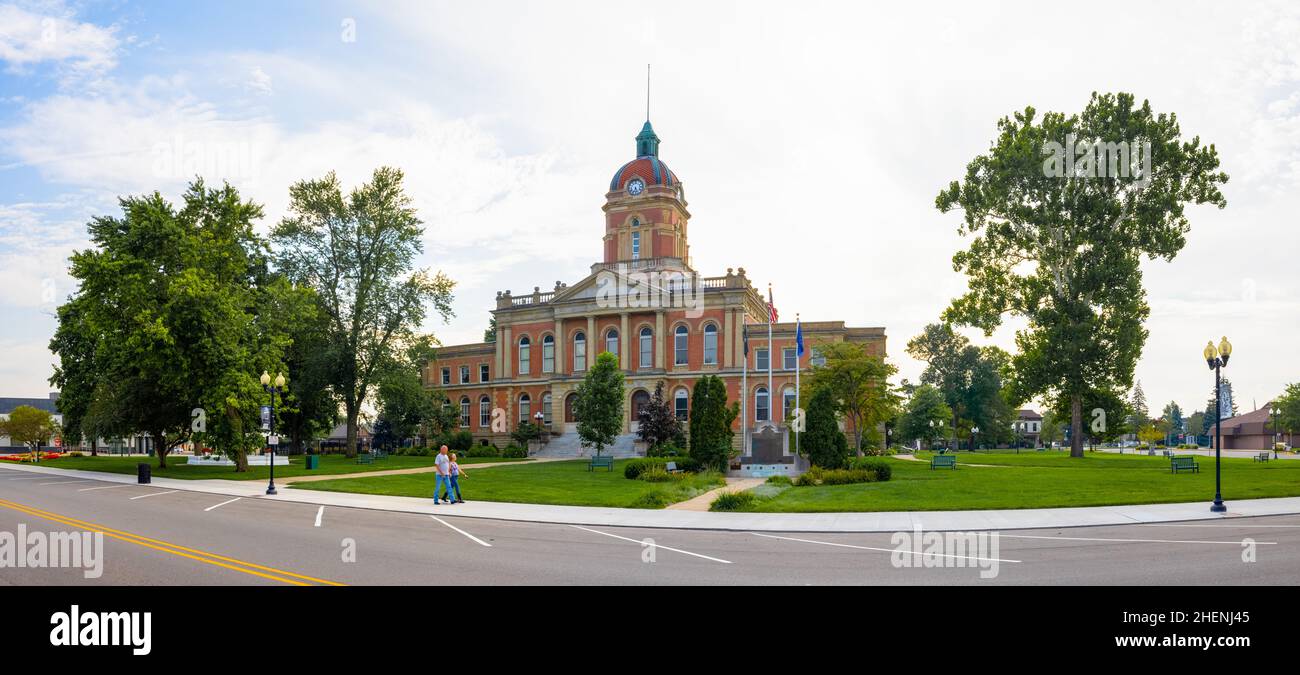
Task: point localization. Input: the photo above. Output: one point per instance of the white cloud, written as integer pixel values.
(28, 38)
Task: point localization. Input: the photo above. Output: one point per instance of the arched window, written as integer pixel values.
(711, 344)
(647, 347)
(548, 354)
(525, 408)
(681, 346)
(611, 342)
(787, 403)
(680, 404)
(640, 400)
(569, 402)
(524, 344)
(464, 411)
(636, 222)
(484, 412)
(579, 352)
(546, 408)
(761, 412)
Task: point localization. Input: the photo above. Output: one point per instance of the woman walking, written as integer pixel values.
(456, 473)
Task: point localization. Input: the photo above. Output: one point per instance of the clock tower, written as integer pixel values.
(645, 210)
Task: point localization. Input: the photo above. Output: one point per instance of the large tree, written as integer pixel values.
(599, 406)
(970, 379)
(926, 414)
(657, 421)
(859, 382)
(711, 421)
(1055, 244)
(358, 251)
(31, 427)
(823, 442)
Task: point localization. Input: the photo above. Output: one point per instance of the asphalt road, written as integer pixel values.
(156, 536)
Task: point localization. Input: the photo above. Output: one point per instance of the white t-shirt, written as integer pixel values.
(442, 462)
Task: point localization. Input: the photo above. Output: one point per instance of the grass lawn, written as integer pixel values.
(177, 468)
(542, 483)
(1040, 480)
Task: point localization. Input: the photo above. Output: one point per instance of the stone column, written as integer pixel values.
(660, 339)
(507, 353)
(592, 341)
(725, 343)
(623, 342)
(560, 366)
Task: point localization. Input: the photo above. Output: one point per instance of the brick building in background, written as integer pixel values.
(643, 302)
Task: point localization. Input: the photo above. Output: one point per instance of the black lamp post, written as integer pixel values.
(973, 431)
(1217, 360)
(1276, 413)
(272, 390)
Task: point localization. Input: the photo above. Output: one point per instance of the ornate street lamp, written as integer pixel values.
(1276, 413)
(272, 390)
(973, 431)
(1217, 360)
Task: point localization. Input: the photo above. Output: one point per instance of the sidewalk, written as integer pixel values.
(891, 521)
(418, 469)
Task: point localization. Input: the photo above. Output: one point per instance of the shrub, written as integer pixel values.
(779, 480)
(654, 499)
(635, 467)
(882, 468)
(658, 474)
(666, 450)
(482, 451)
(514, 452)
(733, 501)
(460, 441)
(820, 476)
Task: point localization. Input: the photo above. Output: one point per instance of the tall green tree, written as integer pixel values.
(1289, 406)
(710, 422)
(30, 426)
(860, 384)
(1138, 406)
(971, 379)
(75, 376)
(926, 414)
(1059, 246)
(599, 405)
(1171, 420)
(822, 441)
(359, 252)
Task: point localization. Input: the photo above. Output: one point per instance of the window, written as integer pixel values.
(464, 374)
(464, 411)
(760, 405)
(579, 352)
(446, 375)
(681, 346)
(640, 400)
(711, 345)
(789, 360)
(525, 408)
(483, 373)
(760, 359)
(787, 403)
(817, 358)
(611, 342)
(680, 404)
(484, 412)
(636, 245)
(524, 343)
(636, 222)
(548, 354)
(647, 347)
(546, 408)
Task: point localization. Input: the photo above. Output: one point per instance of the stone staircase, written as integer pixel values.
(569, 445)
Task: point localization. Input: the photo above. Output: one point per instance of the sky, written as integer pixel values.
(811, 138)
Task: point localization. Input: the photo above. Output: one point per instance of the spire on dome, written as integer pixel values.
(647, 142)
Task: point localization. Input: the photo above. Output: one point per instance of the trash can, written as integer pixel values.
(313, 462)
(143, 473)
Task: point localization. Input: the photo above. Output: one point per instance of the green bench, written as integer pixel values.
(601, 460)
(949, 461)
(1262, 457)
(1177, 464)
(365, 458)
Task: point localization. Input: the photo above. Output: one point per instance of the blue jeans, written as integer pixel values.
(455, 486)
(442, 484)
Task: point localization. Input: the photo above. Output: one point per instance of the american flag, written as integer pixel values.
(771, 306)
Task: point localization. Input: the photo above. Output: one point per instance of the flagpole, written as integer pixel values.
(770, 395)
(744, 386)
(798, 366)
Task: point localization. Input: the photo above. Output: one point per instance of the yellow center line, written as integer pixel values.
(174, 549)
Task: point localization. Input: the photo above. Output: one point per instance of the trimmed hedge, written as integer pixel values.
(635, 467)
(882, 468)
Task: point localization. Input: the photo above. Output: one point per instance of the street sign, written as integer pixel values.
(273, 440)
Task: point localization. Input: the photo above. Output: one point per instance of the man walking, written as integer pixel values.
(442, 471)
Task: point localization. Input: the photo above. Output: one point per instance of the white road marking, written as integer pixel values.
(319, 512)
(1241, 526)
(884, 550)
(28, 478)
(107, 487)
(223, 503)
(65, 482)
(476, 539)
(1132, 541)
(644, 543)
(155, 494)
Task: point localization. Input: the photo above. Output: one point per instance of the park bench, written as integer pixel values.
(1177, 464)
(601, 460)
(1262, 457)
(671, 467)
(949, 461)
(381, 454)
(365, 458)
(1168, 453)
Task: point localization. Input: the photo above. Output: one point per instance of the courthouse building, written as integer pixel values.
(645, 303)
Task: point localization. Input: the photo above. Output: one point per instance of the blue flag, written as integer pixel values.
(798, 337)
(744, 331)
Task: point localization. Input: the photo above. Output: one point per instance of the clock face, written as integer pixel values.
(635, 186)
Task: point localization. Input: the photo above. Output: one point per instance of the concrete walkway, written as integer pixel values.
(419, 469)
(702, 502)
(889, 521)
